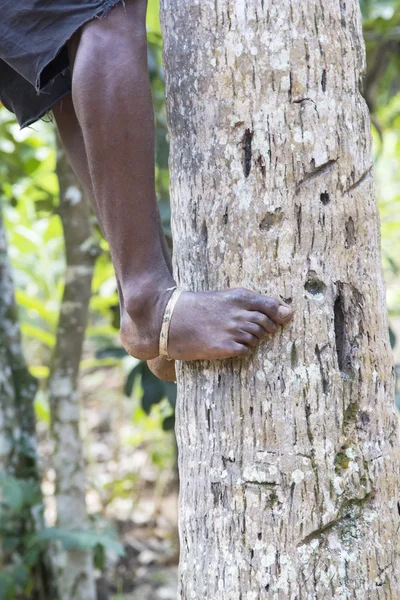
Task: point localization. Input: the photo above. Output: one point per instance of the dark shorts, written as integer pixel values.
(34, 66)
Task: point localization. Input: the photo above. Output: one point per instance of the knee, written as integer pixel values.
(113, 42)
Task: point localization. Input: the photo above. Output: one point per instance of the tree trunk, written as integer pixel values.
(75, 567)
(18, 448)
(288, 460)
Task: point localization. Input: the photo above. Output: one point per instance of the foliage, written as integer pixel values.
(30, 193)
(16, 497)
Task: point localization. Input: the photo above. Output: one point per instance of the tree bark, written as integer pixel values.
(18, 446)
(288, 460)
(75, 570)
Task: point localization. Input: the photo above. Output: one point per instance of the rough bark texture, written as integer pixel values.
(18, 448)
(288, 460)
(75, 567)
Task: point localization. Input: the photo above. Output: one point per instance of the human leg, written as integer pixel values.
(112, 99)
(72, 139)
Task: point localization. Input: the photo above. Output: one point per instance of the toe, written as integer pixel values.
(256, 329)
(247, 339)
(265, 322)
(277, 310)
(239, 351)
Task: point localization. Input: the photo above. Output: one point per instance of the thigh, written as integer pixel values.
(34, 61)
(34, 33)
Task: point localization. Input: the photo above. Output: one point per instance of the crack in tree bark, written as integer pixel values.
(321, 170)
(359, 181)
(339, 519)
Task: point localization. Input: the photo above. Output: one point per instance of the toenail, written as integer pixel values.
(284, 312)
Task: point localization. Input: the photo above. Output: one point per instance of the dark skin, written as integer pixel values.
(107, 127)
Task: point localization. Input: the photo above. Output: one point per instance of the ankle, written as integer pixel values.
(145, 299)
(141, 321)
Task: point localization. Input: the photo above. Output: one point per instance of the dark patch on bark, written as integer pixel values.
(350, 233)
(307, 410)
(324, 377)
(364, 419)
(298, 219)
(204, 233)
(226, 460)
(325, 199)
(314, 286)
(343, 13)
(271, 219)
(301, 100)
(323, 80)
(247, 151)
(262, 166)
(340, 332)
(218, 491)
(294, 359)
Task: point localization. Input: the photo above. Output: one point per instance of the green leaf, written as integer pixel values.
(7, 587)
(71, 538)
(171, 391)
(169, 423)
(17, 493)
(111, 352)
(39, 371)
(31, 556)
(31, 303)
(10, 543)
(48, 339)
(12, 492)
(21, 576)
(153, 19)
(99, 557)
(392, 337)
(96, 363)
(130, 380)
(153, 389)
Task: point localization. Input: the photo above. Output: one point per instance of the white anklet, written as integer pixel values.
(169, 309)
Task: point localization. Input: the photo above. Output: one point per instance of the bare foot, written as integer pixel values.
(204, 325)
(163, 368)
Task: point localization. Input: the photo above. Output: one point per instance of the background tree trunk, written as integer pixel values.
(74, 567)
(18, 448)
(288, 461)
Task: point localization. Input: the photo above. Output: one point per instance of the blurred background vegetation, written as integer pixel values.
(127, 416)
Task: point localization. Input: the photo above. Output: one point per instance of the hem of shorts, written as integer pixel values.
(103, 11)
(44, 111)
